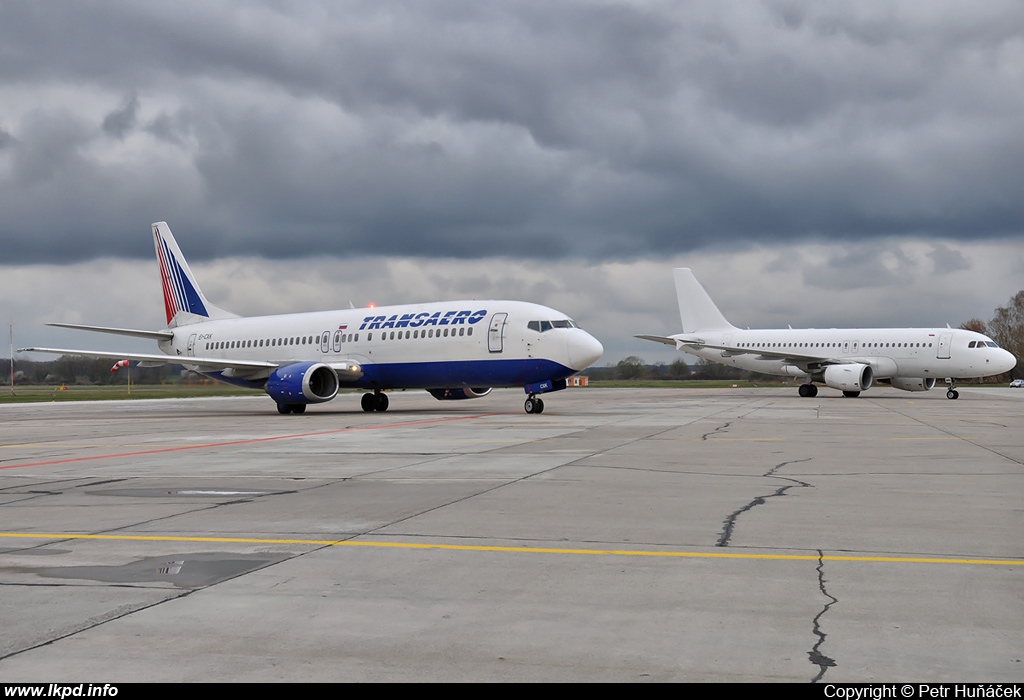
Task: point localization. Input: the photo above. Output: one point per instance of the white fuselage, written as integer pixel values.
(891, 352)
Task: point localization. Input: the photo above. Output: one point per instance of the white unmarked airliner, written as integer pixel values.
(453, 349)
(847, 359)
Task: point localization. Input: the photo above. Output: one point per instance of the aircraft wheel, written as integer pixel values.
(368, 402)
(298, 408)
(284, 409)
(808, 390)
(531, 405)
(382, 402)
(952, 394)
(851, 394)
(540, 406)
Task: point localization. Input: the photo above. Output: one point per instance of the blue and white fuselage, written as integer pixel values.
(453, 349)
(419, 346)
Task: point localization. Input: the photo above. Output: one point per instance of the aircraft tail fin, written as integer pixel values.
(184, 301)
(696, 310)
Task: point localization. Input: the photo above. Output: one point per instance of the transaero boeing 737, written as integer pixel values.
(453, 349)
(846, 359)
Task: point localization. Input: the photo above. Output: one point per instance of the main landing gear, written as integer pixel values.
(533, 405)
(377, 401)
(952, 394)
(286, 408)
(808, 391)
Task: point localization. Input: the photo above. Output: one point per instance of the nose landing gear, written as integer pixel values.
(952, 394)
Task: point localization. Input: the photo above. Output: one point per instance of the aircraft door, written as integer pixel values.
(943, 350)
(192, 345)
(337, 341)
(496, 332)
(325, 342)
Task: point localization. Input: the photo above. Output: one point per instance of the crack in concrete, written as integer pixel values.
(719, 428)
(816, 657)
(730, 522)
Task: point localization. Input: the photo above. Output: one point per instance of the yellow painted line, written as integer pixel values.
(512, 550)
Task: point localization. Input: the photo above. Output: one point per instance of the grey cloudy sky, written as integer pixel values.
(816, 163)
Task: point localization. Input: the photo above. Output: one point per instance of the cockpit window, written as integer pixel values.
(542, 326)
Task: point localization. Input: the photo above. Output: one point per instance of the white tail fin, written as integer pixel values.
(696, 310)
(183, 300)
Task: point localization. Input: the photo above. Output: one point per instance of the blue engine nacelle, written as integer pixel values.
(302, 382)
(458, 394)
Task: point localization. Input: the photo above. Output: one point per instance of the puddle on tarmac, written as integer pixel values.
(183, 570)
(188, 492)
(35, 551)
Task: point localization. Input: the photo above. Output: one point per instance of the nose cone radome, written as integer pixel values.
(583, 349)
(1006, 361)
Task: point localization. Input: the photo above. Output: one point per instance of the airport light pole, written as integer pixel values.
(10, 327)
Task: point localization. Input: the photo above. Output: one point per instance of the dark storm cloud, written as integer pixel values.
(121, 121)
(525, 129)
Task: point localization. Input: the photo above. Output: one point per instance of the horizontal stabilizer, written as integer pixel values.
(678, 341)
(135, 333)
(658, 339)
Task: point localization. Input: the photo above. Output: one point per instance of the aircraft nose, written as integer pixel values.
(1006, 361)
(583, 349)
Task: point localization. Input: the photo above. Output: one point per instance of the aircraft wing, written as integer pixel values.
(794, 358)
(161, 359)
(348, 370)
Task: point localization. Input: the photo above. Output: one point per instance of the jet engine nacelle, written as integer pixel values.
(302, 382)
(852, 377)
(458, 394)
(913, 383)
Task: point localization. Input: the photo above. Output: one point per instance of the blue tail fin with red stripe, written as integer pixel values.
(183, 299)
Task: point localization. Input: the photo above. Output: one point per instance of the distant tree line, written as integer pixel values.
(75, 369)
(635, 368)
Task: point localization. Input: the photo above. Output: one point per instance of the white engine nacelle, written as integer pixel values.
(913, 383)
(852, 377)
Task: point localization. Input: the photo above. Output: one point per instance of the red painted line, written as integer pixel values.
(229, 443)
